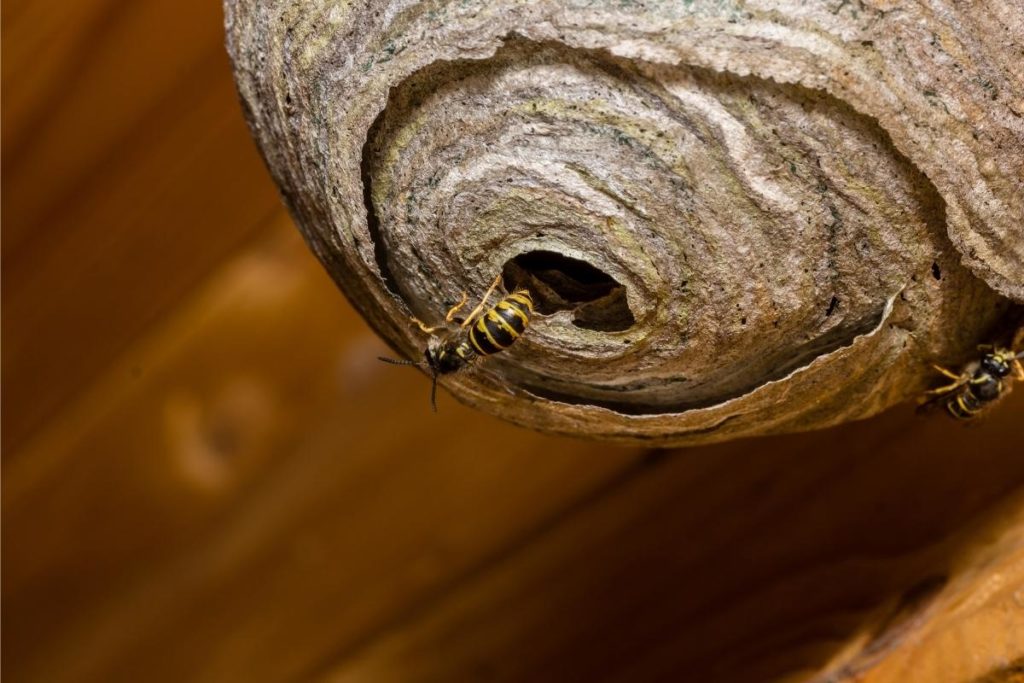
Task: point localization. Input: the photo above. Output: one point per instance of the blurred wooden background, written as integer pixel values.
(207, 476)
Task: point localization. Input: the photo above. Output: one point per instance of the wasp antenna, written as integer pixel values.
(397, 361)
(433, 394)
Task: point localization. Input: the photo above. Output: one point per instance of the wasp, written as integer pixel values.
(980, 384)
(482, 333)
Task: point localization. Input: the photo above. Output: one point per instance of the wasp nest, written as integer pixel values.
(736, 218)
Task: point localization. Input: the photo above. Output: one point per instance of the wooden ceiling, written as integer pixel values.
(207, 476)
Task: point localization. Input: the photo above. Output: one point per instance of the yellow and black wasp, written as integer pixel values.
(489, 331)
(980, 384)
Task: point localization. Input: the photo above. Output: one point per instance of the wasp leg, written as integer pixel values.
(944, 390)
(960, 380)
(476, 311)
(422, 326)
(947, 373)
(455, 309)
(1018, 369)
(986, 347)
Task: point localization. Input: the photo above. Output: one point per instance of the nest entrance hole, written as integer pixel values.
(561, 283)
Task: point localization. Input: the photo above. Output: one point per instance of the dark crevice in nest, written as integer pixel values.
(831, 342)
(561, 283)
(380, 249)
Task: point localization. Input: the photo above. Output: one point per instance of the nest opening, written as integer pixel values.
(561, 283)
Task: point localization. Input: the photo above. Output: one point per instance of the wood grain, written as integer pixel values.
(126, 179)
(784, 557)
(209, 477)
(218, 460)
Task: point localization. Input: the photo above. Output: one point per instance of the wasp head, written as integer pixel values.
(447, 355)
(998, 362)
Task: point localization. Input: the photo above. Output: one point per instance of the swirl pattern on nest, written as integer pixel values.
(729, 217)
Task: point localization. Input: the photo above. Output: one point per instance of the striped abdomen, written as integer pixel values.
(972, 398)
(496, 329)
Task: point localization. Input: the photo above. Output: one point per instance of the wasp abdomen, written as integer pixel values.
(972, 398)
(980, 384)
(499, 327)
(964, 405)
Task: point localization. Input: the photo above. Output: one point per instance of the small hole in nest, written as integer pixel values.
(560, 283)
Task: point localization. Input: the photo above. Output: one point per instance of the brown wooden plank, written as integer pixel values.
(973, 632)
(742, 562)
(126, 178)
(84, 81)
(210, 478)
(249, 489)
(39, 57)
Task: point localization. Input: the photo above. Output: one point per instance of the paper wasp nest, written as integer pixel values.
(737, 218)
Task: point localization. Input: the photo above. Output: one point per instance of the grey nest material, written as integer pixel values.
(737, 220)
